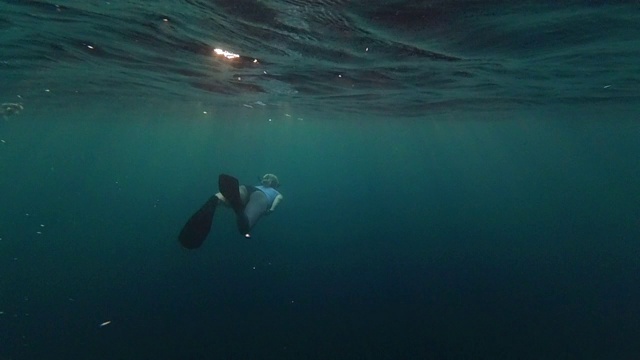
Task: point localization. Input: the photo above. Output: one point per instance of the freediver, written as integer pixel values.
(250, 203)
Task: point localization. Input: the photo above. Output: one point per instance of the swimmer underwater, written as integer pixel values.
(248, 202)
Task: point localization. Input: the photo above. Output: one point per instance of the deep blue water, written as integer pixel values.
(466, 188)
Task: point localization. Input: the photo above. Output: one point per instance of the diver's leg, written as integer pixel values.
(244, 196)
(222, 199)
(256, 207)
(230, 190)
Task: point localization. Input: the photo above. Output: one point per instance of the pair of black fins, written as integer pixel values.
(197, 228)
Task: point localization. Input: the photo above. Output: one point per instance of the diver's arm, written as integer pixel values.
(276, 201)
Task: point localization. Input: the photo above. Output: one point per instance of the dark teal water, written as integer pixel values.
(500, 235)
(467, 188)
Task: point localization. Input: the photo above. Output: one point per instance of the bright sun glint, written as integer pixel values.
(228, 55)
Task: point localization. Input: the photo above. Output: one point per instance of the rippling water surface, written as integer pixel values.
(392, 57)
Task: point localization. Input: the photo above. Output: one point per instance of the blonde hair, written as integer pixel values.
(270, 180)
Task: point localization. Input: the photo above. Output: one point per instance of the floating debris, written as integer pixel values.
(10, 109)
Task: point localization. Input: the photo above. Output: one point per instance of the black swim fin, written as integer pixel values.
(197, 228)
(230, 189)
